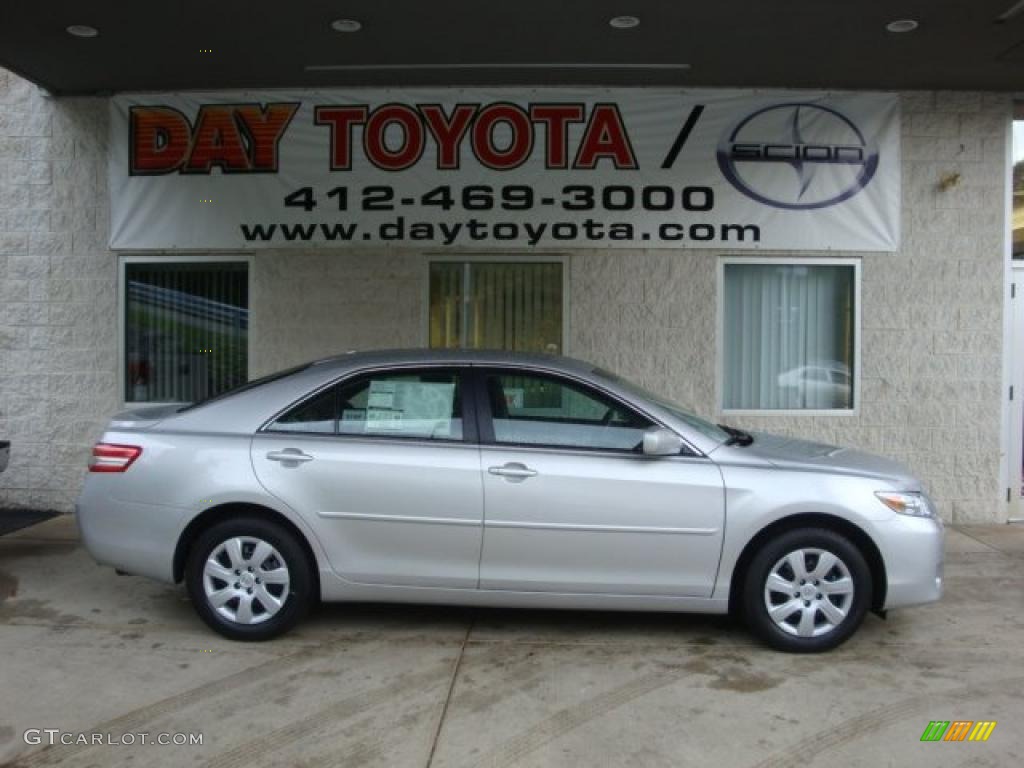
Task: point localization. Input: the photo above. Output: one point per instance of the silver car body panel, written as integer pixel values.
(424, 521)
(564, 530)
(411, 512)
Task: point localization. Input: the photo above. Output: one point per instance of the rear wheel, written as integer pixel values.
(807, 590)
(249, 579)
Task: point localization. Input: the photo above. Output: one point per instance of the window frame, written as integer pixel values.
(485, 422)
(1015, 119)
(122, 306)
(466, 259)
(470, 430)
(858, 332)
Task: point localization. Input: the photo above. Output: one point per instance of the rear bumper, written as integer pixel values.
(914, 550)
(132, 537)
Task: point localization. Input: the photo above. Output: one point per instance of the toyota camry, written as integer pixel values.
(500, 479)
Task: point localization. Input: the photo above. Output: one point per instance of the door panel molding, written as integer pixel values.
(600, 528)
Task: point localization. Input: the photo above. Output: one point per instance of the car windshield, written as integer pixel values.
(706, 428)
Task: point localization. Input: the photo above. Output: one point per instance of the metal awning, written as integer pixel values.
(198, 44)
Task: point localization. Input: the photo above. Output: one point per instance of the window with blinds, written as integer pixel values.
(186, 330)
(789, 336)
(496, 305)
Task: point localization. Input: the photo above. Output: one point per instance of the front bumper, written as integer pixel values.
(913, 549)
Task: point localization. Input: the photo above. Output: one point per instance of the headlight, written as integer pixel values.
(906, 503)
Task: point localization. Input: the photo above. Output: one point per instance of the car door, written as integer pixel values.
(386, 468)
(571, 505)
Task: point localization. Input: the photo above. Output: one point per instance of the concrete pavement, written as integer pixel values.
(84, 650)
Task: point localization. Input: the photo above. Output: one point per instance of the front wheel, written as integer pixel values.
(249, 579)
(807, 590)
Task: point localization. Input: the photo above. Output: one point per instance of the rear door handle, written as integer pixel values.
(513, 470)
(289, 456)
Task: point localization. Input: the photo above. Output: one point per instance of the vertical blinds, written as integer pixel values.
(789, 336)
(186, 330)
(496, 305)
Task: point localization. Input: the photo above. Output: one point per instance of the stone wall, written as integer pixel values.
(307, 305)
(931, 331)
(58, 291)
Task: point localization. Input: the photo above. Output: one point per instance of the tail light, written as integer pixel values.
(107, 457)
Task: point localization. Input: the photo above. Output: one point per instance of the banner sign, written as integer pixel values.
(546, 167)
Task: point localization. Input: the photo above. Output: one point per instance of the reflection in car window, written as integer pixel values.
(419, 404)
(540, 410)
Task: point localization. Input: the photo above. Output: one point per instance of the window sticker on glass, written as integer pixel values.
(383, 419)
(382, 394)
(412, 407)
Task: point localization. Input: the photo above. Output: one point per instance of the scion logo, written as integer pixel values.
(830, 159)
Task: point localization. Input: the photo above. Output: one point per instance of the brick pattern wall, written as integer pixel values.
(932, 313)
(58, 292)
(313, 304)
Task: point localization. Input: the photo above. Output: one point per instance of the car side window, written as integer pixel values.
(419, 404)
(411, 404)
(535, 409)
(316, 416)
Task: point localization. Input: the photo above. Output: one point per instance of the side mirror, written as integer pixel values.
(659, 441)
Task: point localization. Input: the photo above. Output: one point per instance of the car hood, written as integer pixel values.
(790, 453)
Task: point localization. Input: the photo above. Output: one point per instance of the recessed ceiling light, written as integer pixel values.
(623, 22)
(902, 25)
(346, 25)
(82, 30)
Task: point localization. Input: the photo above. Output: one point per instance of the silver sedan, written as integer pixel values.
(500, 479)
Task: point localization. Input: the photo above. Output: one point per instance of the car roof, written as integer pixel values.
(245, 411)
(483, 357)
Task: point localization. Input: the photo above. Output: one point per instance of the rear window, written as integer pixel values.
(248, 385)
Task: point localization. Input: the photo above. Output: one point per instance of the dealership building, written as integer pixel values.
(827, 255)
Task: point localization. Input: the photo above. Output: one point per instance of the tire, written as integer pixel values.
(249, 579)
(823, 604)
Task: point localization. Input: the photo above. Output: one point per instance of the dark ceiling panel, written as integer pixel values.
(754, 43)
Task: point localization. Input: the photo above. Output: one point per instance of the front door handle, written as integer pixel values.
(513, 470)
(289, 456)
